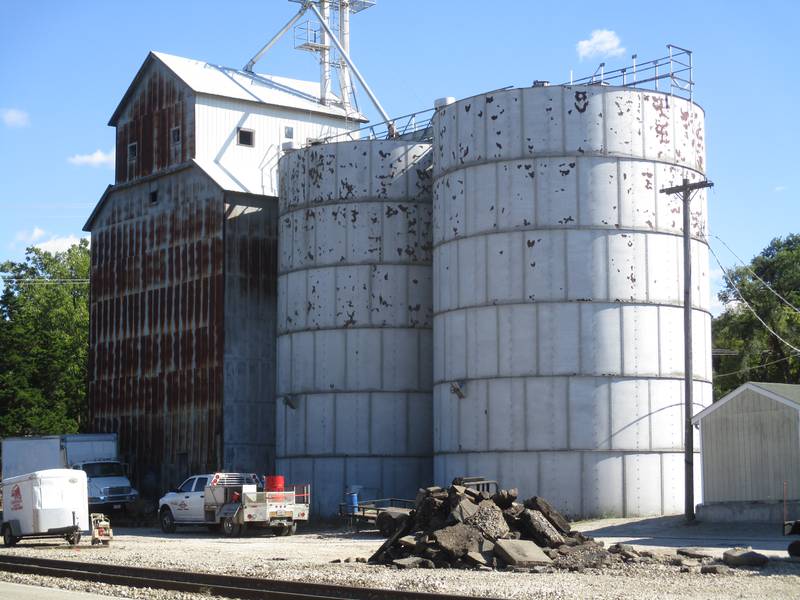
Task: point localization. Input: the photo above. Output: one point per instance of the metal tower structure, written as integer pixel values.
(329, 36)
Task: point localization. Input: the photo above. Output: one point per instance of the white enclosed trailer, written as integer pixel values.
(49, 503)
(94, 453)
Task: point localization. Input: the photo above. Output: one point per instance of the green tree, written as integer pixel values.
(760, 355)
(44, 325)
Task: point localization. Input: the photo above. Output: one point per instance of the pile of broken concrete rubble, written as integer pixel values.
(462, 527)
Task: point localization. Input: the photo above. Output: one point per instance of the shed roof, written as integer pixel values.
(216, 80)
(785, 393)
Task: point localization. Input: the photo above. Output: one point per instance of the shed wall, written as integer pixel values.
(751, 445)
(156, 326)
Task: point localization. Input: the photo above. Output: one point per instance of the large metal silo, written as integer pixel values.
(355, 312)
(558, 340)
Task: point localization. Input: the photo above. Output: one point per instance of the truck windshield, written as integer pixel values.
(104, 469)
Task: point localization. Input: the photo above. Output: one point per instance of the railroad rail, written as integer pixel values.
(228, 586)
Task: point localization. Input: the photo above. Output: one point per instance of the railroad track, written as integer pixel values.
(227, 586)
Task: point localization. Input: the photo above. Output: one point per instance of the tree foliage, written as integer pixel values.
(760, 356)
(44, 326)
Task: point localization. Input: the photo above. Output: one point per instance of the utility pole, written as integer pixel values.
(685, 190)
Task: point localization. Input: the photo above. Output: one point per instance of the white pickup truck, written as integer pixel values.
(234, 502)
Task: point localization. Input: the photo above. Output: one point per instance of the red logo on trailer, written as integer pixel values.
(16, 497)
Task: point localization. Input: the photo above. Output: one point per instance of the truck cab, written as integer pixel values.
(108, 483)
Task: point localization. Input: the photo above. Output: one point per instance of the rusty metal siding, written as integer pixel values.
(160, 103)
(156, 326)
(251, 272)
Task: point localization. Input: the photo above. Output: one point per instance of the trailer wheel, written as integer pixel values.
(166, 520)
(9, 539)
(73, 539)
(794, 548)
(386, 524)
(230, 527)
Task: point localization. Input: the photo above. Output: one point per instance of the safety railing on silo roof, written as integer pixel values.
(414, 127)
(673, 72)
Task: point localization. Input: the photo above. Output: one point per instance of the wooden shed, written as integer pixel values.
(750, 453)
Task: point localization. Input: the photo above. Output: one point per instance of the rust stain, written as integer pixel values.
(156, 337)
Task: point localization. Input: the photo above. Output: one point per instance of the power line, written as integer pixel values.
(750, 308)
(42, 281)
(746, 266)
(746, 369)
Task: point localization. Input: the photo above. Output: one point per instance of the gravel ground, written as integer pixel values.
(308, 556)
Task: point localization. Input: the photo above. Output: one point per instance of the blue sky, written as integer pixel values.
(65, 65)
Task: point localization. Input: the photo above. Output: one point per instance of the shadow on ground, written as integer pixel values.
(674, 532)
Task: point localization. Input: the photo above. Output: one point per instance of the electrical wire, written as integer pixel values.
(43, 281)
(750, 308)
(746, 266)
(746, 369)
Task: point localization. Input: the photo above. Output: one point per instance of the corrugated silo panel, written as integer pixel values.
(571, 276)
(360, 355)
(602, 483)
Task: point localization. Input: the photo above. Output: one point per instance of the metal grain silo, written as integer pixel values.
(558, 348)
(355, 312)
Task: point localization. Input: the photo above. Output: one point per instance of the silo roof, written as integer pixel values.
(216, 80)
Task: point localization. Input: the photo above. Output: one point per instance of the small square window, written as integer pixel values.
(288, 133)
(175, 135)
(153, 196)
(133, 150)
(246, 137)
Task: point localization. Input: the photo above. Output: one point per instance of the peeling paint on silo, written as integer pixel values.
(355, 314)
(558, 294)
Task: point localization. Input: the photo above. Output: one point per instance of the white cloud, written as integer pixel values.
(58, 243)
(780, 188)
(98, 158)
(14, 117)
(602, 43)
(28, 237)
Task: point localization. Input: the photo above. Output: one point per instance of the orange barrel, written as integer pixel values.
(274, 483)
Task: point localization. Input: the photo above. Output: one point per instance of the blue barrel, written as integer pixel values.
(351, 499)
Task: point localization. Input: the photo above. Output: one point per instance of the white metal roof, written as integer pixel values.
(785, 393)
(227, 82)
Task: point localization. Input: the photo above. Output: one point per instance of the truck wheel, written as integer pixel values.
(230, 527)
(292, 529)
(793, 549)
(386, 524)
(9, 539)
(74, 539)
(166, 520)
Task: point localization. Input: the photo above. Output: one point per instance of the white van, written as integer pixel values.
(49, 503)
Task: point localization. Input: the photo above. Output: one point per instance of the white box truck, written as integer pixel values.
(48, 503)
(93, 453)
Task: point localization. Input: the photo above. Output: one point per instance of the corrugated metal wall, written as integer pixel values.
(251, 265)
(161, 102)
(751, 445)
(156, 329)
